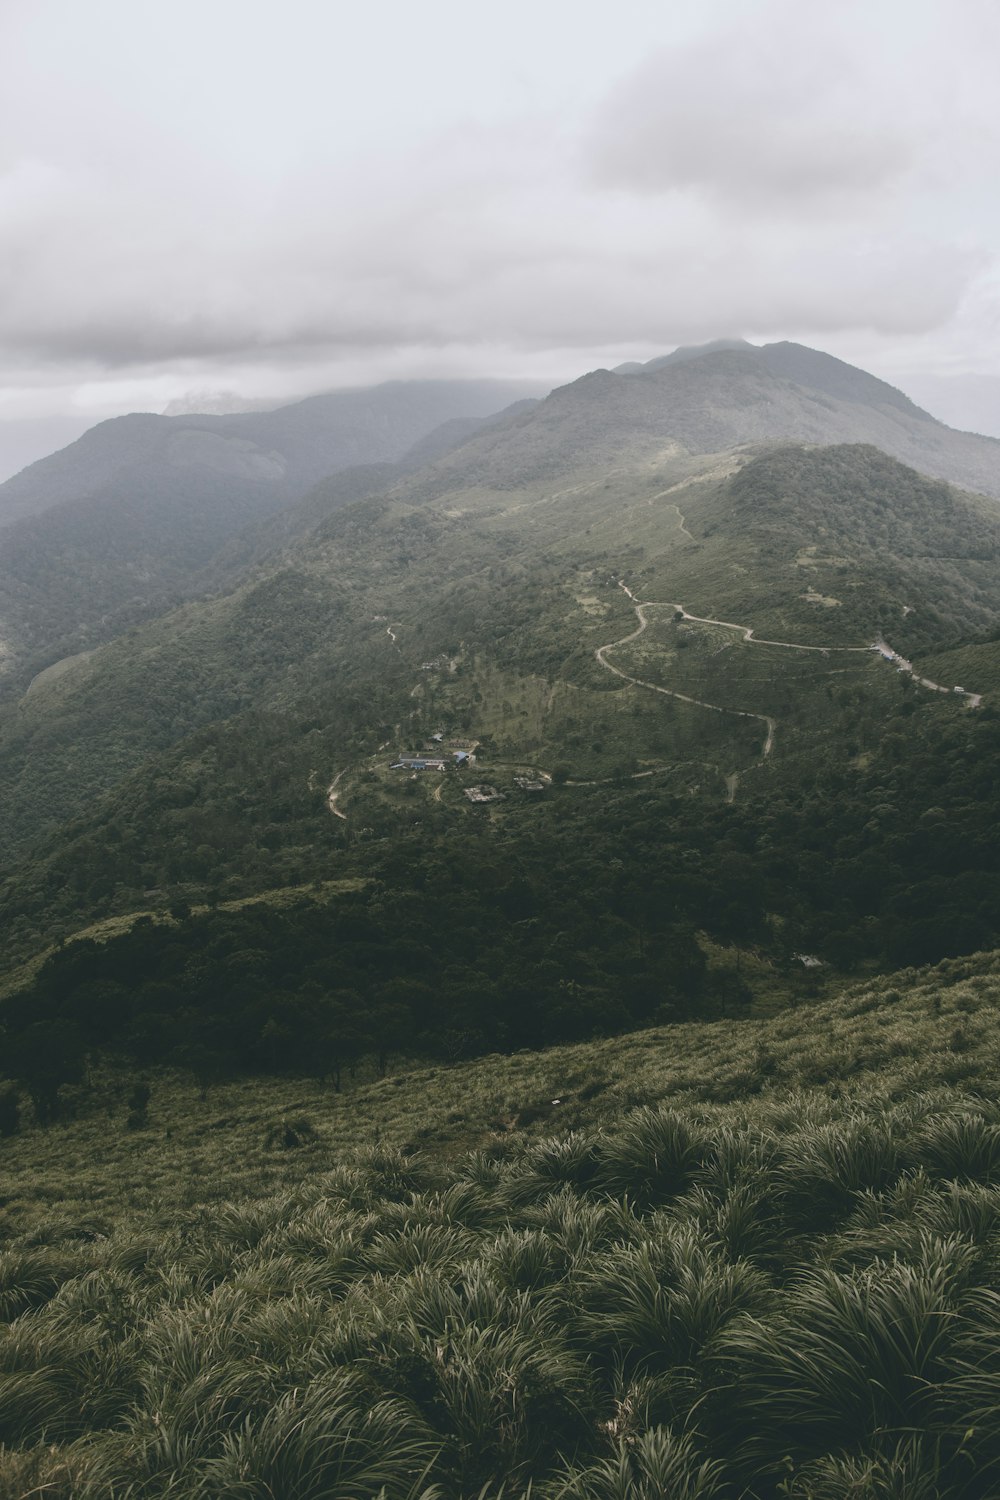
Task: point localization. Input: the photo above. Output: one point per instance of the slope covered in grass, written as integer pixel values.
(752, 1259)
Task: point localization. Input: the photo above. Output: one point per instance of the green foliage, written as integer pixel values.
(682, 1289)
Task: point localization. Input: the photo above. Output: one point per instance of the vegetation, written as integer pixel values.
(756, 1259)
(296, 1205)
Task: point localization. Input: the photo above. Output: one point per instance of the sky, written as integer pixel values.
(275, 199)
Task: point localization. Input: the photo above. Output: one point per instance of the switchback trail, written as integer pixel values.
(654, 687)
(973, 700)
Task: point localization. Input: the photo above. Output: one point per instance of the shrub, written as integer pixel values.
(331, 1439)
(959, 1145)
(290, 1132)
(653, 1158)
(654, 1466)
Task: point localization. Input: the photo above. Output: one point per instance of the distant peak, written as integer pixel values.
(683, 354)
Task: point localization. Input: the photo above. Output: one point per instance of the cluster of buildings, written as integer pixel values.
(434, 759)
(457, 754)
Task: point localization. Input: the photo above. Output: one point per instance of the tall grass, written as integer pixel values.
(795, 1294)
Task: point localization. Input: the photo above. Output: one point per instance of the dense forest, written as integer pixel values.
(578, 920)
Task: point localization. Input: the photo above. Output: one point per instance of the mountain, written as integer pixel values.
(159, 501)
(118, 524)
(681, 355)
(733, 392)
(711, 402)
(626, 594)
(205, 743)
(277, 453)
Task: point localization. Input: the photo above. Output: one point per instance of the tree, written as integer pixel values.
(46, 1056)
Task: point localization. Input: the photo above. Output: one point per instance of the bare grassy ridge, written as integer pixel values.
(751, 1258)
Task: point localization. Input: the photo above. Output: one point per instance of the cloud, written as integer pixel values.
(232, 208)
(780, 111)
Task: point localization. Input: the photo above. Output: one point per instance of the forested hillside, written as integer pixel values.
(124, 523)
(775, 795)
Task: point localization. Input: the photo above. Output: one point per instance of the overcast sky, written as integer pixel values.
(275, 198)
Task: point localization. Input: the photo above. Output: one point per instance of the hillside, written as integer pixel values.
(121, 524)
(758, 1259)
(499, 996)
(678, 676)
(124, 523)
(683, 768)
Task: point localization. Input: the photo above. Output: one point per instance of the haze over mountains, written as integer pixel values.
(95, 535)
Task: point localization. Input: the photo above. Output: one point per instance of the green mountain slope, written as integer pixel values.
(836, 402)
(205, 746)
(121, 524)
(525, 586)
(707, 693)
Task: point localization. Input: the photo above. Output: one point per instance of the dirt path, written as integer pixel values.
(332, 795)
(683, 524)
(614, 780)
(654, 687)
(748, 634)
(971, 700)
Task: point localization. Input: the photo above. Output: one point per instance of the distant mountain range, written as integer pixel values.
(97, 535)
(144, 511)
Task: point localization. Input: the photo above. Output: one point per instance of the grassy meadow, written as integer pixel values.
(749, 1258)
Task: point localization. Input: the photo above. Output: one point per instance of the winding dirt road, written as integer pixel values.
(654, 687)
(972, 700)
(331, 797)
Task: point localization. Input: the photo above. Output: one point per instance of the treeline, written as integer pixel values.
(579, 917)
(453, 969)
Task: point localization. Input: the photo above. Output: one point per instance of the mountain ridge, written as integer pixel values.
(129, 530)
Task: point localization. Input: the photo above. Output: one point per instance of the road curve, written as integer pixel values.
(973, 700)
(654, 687)
(331, 797)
